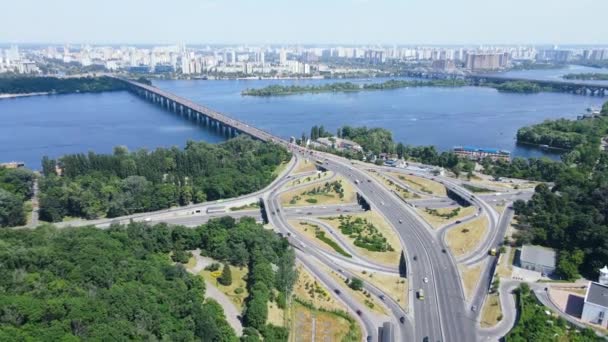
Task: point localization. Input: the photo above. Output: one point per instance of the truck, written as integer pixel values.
(216, 210)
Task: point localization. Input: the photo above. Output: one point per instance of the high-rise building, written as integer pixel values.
(262, 57)
(486, 61)
(232, 57)
(282, 57)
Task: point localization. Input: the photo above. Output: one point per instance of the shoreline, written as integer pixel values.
(12, 96)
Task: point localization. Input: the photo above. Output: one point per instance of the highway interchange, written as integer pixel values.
(444, 315)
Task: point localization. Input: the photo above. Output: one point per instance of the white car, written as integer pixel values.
(425, 279)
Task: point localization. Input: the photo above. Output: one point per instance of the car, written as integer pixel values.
(338, 209)
(474, 308)
(381, 297)
(359, 312)
(147, 219)
(415, 258)
(369, 338)
(402, 319)
(369, 180)
(425, 339)
(425, 279)
(443, 250)
(458, 222)
(309, 213)
(337, 291)
(400, 221)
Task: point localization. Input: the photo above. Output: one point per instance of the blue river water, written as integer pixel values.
(55, 125)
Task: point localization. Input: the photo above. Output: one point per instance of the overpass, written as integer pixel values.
(214, 120)
(580, 88)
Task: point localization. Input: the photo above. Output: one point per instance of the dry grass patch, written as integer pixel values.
(276, 315)
(403, 193)
(321, 193)
(239, 277)
(308, 179)
(329, 326)
(470, 277)
(365, 299)
(436, 218)
(307, 289)
(394, 286)
(505, 267)
(422, 184)
(463, 238)
(305, 165)
(389, 257)
(491, 312)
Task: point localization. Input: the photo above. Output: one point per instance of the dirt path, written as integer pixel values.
(230, 310)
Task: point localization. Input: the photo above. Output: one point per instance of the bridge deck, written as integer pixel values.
(224, 119)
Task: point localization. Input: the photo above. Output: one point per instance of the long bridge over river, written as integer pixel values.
(214, 120)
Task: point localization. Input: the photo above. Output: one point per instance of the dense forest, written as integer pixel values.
(120, 283)
(15, 190)
(563, 133)
(522, 87)
(24, 85)
(277, 90)
(97, 185)
(572, 215)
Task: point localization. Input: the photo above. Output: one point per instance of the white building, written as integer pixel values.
(595, 309)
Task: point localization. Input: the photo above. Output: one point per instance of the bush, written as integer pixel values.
(239, 290)
(181, 256)
(213, 267)
(311, 200)
(356, 284)
(226, 277)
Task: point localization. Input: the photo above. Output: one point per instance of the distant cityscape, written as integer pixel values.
(280, 61)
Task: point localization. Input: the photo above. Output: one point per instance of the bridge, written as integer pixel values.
(580, 88)
(214, 120)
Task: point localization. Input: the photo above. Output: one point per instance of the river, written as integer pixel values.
(55, 125)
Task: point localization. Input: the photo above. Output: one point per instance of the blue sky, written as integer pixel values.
(305, 21)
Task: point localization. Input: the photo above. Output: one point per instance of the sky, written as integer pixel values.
(305, 21)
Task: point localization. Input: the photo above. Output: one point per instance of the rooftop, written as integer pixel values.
(597, 294)
(538, 255)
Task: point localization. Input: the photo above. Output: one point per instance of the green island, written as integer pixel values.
(279, 90)
(364, 233)
(56, 85)
(535, 325)
(565, 134)
(320, 234)
(589, 76)
(129, 283)
(521, 87)
(99, 185)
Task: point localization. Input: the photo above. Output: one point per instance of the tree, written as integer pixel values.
(226, 277)
(11, 210)
(402, 266)
(356, 284)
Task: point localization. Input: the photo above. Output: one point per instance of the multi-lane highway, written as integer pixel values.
(443, 315)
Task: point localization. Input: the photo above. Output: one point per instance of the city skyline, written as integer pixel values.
(343, 22)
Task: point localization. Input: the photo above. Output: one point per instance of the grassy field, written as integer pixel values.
(309, 290)
(238, 281)
(309, 231)
(365, 299)
(491, 312)
(298, 197)
(276, 315)
(280, 169)
(505, 267)
(470, 277)
(389, 258)
(254, 205)
(307, 179)
(394, 286)
(463, 238)
(403, 193)
(329, 326)
(305, 165)
(421, 184)
(439, 221)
